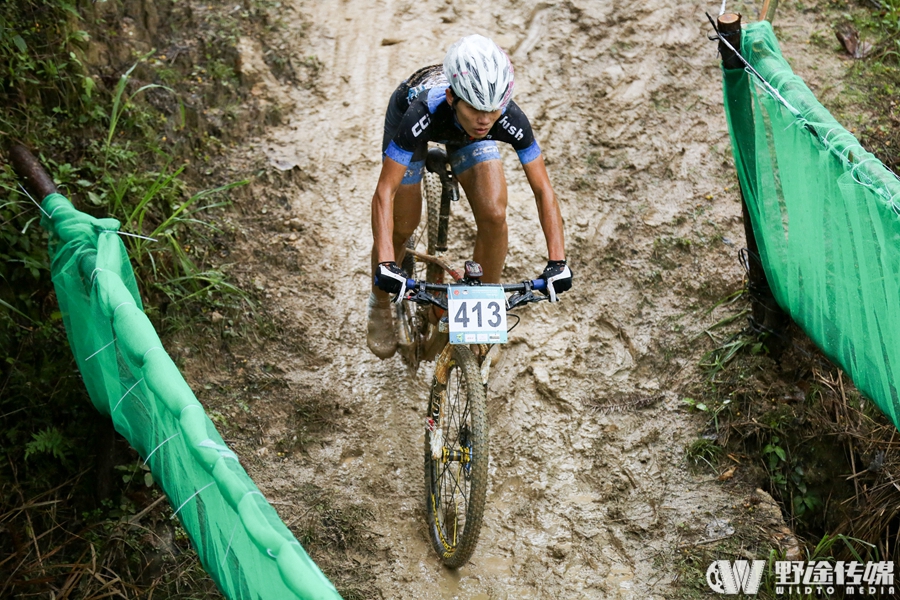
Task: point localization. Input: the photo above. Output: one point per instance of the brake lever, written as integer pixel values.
(525, 297)
(420, 295)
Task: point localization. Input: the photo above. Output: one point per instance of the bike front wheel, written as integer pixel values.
(456, 456)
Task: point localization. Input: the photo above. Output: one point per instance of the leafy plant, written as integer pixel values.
(116, 145)
(713, 409)
(48, 441)
(704, 451)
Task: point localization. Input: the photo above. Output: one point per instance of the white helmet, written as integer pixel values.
(479, 72)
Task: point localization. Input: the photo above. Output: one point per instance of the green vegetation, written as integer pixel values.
(877, 74)
(120, 128)
(130, 107)
(794, 426)
(778, 415)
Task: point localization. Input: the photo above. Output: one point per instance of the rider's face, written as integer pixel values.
(475, 122)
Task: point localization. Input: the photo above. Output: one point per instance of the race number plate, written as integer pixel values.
(477, 314)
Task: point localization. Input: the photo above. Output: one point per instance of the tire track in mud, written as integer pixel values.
(626, 104)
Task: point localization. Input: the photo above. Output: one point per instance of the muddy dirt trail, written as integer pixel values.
(583, 502)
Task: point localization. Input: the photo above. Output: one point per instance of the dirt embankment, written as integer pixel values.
(590, 493)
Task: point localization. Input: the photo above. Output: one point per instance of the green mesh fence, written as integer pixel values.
(239, 537)
(825, 215)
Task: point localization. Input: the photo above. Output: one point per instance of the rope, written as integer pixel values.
(100, 350)
(175, 514)
(175, 435)
(134, 235)
(768, 87)
(126, 394)
(796, 113)
(35, 202)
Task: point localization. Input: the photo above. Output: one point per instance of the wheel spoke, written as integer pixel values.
(458, 480)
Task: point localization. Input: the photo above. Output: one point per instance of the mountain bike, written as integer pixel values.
(456, 437)
(456, 432)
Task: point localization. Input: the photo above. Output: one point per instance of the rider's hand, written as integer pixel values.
(558, 277)
(391, 279)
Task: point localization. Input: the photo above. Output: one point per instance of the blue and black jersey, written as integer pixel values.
(419, 113)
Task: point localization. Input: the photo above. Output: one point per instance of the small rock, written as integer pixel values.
(718, 529)
(215, 317)
(283, 165)
(561, 550)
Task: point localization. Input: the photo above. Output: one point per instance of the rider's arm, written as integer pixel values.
(383, 208)
(548, 207)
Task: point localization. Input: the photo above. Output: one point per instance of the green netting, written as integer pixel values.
(825, 217)
(239, 537)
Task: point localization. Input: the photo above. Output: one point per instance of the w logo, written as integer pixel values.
(727, 578)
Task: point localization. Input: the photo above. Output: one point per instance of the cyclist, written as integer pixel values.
(465, 105)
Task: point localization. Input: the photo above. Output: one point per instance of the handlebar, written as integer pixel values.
(523, 293)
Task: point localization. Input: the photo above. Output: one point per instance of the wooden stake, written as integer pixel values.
(730, 29)
(768, 10)
(31, 170)
(766, 312)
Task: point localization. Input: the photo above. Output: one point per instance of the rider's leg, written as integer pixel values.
(381, 335)
(407, 213)
(485, 186)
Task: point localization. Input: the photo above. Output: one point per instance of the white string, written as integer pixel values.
(891, 201)
(35, 201)
(825, 139)
(187, 407)
(856, 166)
(849, 150)
(94, 272)
(147, 460)
(134, 235)
(53, 212)
(126, 393)
(175, 514)
(722, 10)
(99, 351)
(151, 350)
(228, 547)
(120, 306)
(749, 68)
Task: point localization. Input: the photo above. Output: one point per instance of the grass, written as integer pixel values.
(122, 138)
(796, 428)
(876, 76)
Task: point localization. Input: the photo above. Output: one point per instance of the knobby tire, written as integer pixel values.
(456, 490)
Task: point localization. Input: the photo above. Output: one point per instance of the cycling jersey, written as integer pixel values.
(419, 113)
